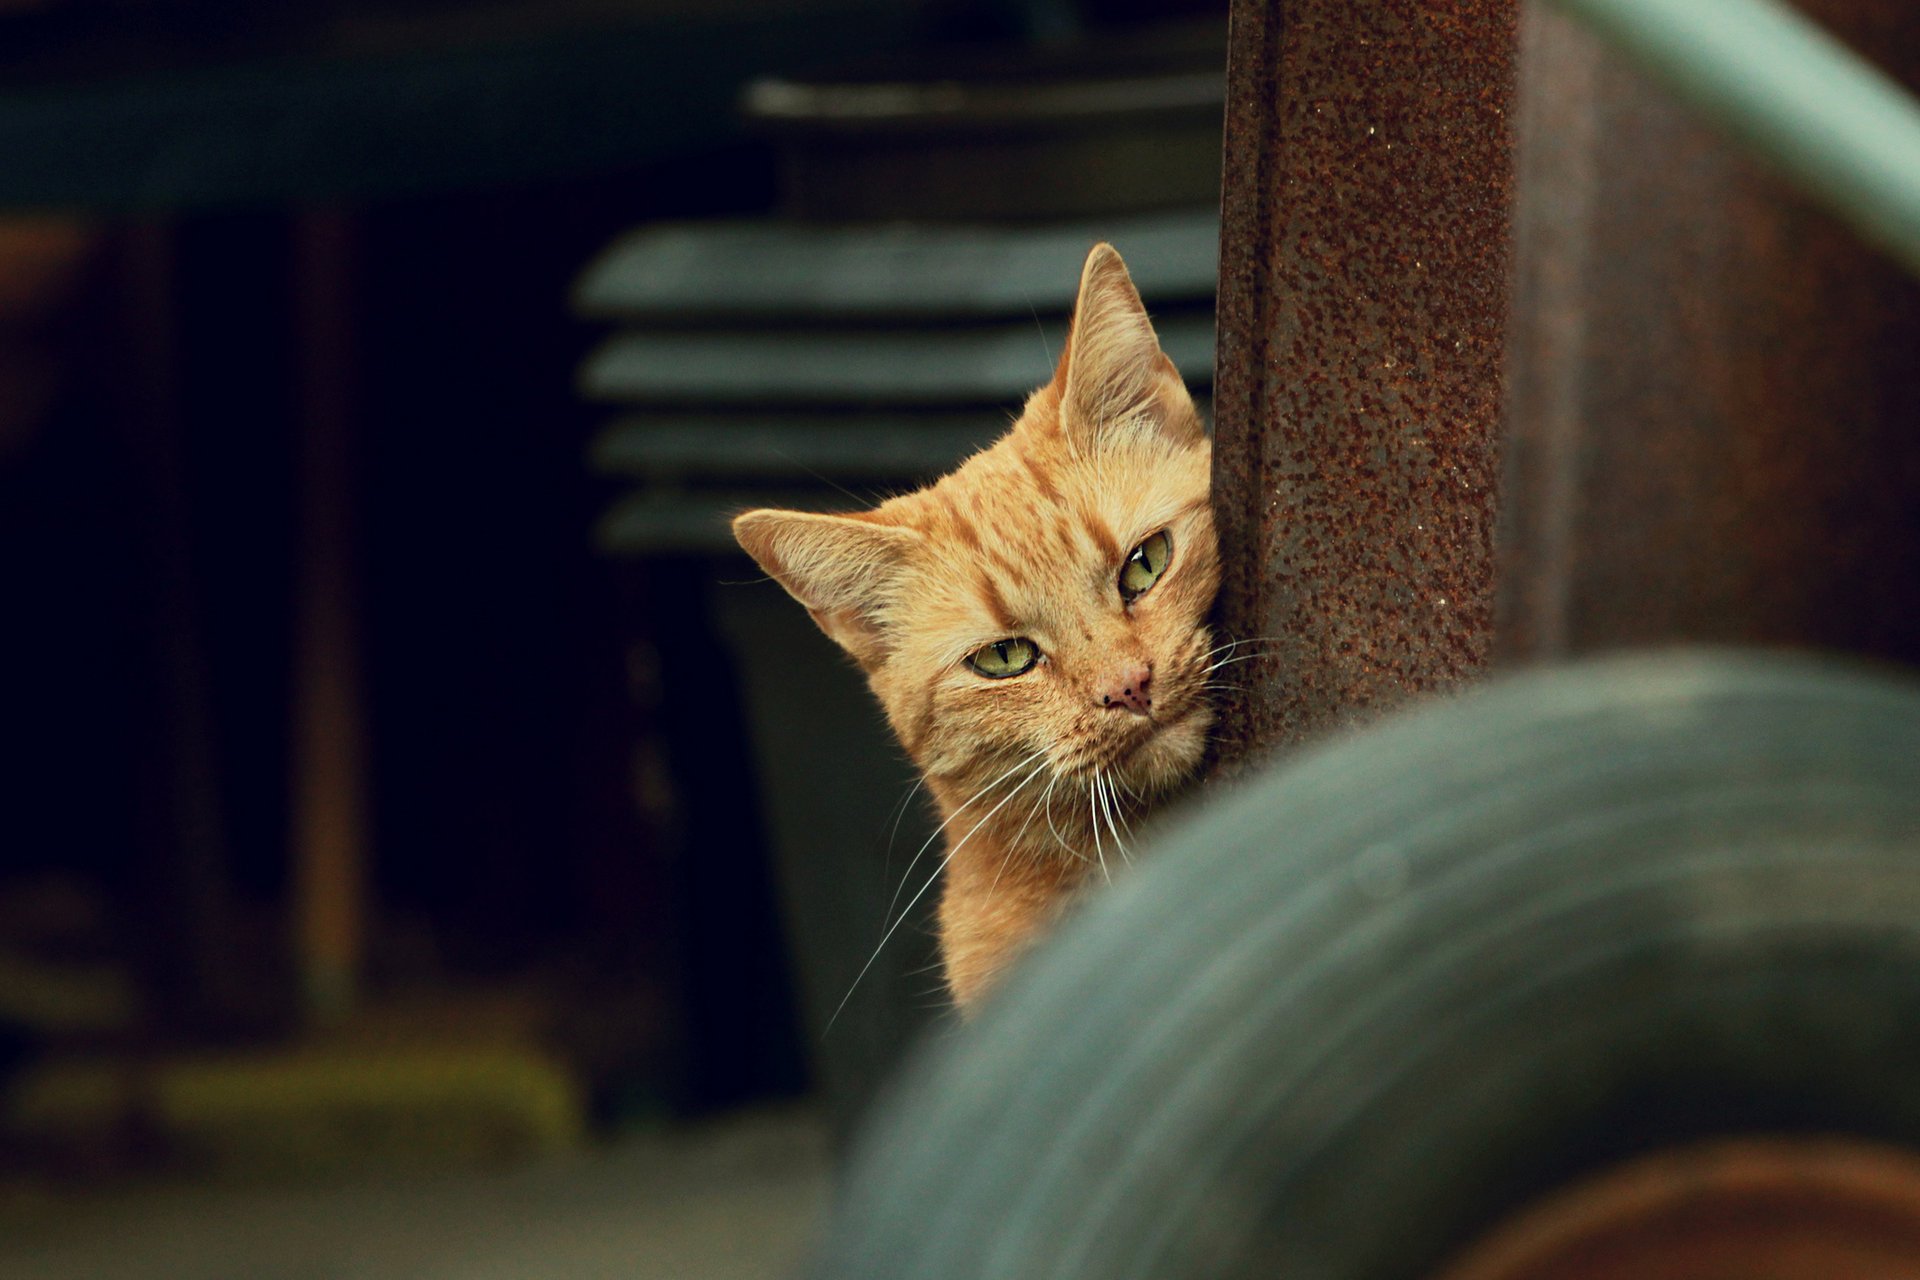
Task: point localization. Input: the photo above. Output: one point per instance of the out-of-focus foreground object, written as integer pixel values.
(1422, 973)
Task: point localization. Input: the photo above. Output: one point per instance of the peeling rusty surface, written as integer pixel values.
(1363, 296)
(1715, 387)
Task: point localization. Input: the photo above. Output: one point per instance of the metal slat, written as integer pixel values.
(797, 446)
(784, 270)
(855, 447)
(646, 523)
(997, 365)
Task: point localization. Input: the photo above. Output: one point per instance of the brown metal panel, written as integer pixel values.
(1362, 311)
(1716, 389)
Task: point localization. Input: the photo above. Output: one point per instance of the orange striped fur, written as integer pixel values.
(1028, 539)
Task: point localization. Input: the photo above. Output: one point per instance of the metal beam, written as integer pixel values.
(1362, 314)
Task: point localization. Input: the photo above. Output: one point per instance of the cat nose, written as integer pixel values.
(1129, 688)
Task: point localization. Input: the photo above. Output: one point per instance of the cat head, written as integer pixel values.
(1047, 599)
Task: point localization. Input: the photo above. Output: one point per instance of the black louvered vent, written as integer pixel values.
(769, 363)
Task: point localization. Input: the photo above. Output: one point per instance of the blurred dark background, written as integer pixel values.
(374, 708)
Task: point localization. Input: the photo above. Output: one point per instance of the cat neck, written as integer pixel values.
(1002, 891)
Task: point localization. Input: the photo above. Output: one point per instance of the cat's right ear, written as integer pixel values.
(1112, 370)
(840, 567)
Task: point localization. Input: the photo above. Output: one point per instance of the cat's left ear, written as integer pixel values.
(1113, 372)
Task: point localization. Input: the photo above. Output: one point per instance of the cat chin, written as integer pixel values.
(1167, 758)
(1175, 752)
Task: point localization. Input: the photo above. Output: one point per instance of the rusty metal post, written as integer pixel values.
(1363, 299)
(1714, 387)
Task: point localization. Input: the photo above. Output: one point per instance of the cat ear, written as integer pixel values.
(1113, 369)
(839, 567)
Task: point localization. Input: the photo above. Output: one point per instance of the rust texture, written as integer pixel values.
(1715, 387)
(1363, 295)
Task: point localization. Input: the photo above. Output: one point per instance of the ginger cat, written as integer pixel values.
(1034, 625)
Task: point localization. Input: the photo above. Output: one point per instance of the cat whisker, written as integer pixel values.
(1058, 838)
(1032, 813)
(1227, 662)
(1231, 645)
(923, 970)
(952, 853)
(1093, 808)
(907, 875)
(1005, 858)
(899, 816)
(1013, 845)
(1100, 814)
(1122, 812)
(1110, 803)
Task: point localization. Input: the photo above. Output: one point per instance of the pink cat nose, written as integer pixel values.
(1128, 687)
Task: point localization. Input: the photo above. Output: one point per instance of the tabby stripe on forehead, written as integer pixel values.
(996, 603)
(965, 530)
(1102, 535)
(1041, 479)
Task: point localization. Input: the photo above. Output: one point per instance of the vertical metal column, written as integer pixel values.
(1714, 384)
(1363, 298)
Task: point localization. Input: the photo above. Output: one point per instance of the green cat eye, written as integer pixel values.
(1004, 658)
(1145, 563)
